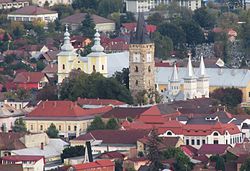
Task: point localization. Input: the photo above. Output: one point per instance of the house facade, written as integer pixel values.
(30, 80)
(31, 13)
(69, 118)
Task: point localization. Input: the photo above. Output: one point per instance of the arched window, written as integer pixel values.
(216, 134)
(79, 69)
(149, 69)
(136, 82)
(41, 127)
(63, 66)
(94, 68)
(102, 67)
(136, 69)
(169, 133)
(69, 128)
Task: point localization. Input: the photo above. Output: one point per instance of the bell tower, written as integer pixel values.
(141, 60)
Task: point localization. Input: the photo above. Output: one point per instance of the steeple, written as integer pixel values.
(190, 73)
(97, 46)
(202, 72)
(140, 36)
(67, 46)
(174, 76)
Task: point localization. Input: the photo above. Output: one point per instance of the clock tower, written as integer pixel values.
(141, 60)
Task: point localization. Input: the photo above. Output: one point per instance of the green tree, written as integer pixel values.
(246, 165)
(86, 4)
(95, 85)
(40, 65)
(182, 162)
(193, 32)
(73, 152)
(175, 33)
(23, 94)
(49, 92)
(154, 154)
(96, 124)
(9, 58)
(88, 26)
(106, 7)
(112, 124)
(163, 45)
(52, 132)
(63, 10)
(220, 164)
(19, 125)
(122, 77)
(203, 18)
(128, 17)
(228, 96)
(118, 165)
(155, 19)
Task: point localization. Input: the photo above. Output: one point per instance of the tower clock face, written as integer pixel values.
(149, 57)
(136, 57)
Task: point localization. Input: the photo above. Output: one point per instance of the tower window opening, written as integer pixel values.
(102, 67)
(94, 68)
(136, 82)
(63, 66)
(149, 69)
(136, 69)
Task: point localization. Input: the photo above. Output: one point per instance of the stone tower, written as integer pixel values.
(190, 82)
(203, 81)
(141, 60)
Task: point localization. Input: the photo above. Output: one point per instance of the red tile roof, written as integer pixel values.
(213, 149)
(32, 10)
(111, 155)
(11, 141)
(11, 167)
(105, 102)
(50, 69)
(189, 150)
(18, 158)
(29, 77)
(131, 27)
(94, 165)
(79, 17)
(125, 112)
(115, 136)
(55, 109)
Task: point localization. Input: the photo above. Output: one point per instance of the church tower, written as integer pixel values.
(141, 60)
(203, 81)
(97, 59)
(65, 58)
(190, 82)
(174, 82)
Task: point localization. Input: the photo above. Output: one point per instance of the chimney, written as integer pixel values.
(42, 146)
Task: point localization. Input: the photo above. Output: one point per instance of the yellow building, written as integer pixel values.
(69, 118)
(68, 59)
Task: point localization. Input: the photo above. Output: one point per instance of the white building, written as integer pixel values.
(8, 4)
(31, 13)
(146, 5)
(193, 86)
(51, 2)
(197, 135)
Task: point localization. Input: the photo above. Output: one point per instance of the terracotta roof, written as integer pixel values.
(189, 150)
(55, 109)
(111, 155)
(115, 136)
(22, 158)
(50, 69)
(132, 26)
(106, 102)
(213, 149)
(50, 55)
(29, 77)
(240, 149)
(94, 165)
(32, 10)
(12, 167)
(11, 141)
(79, 17)
(125, 112)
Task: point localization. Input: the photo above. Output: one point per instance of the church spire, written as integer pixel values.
(189, 67)
(67, 46)
(97, 46)
(174, 76)
(202, 72)
(140, 36)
